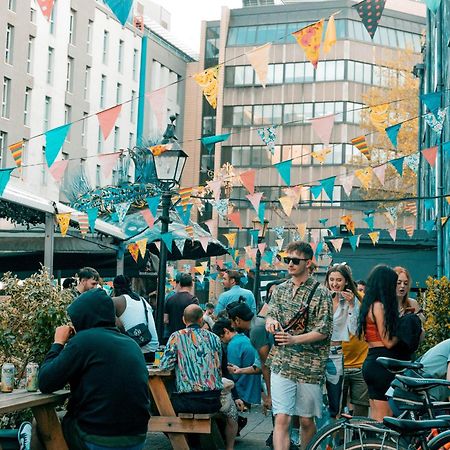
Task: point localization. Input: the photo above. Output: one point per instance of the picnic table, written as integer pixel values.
(43, 408)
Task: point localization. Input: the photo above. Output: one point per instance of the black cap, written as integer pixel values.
(241, 310)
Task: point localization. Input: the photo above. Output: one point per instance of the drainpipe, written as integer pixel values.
(142, 80)
(419, 72)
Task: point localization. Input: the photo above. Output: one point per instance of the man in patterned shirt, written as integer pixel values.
(297, 361)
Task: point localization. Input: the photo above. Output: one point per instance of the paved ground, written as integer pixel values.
(253, 436)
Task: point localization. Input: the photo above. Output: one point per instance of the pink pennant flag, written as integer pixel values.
(210, 224)
(107, 161)
(46, 7)
(204, 242)
(158, 245)
(323, 127)
(347, 183)
(259, 59)
(287, 203)
(262, 247)
(337, 243)
(255, 200)
(409, 230)
(107, 119)
(252, 253)
(235, 217)
(157, 100)
(83, 223)
(393, 233)
(58, 168)
(215, 186)
(315, 235)
(295, 192)
(380, 172)
(430, 155)
(220, 263)
(148, 216)
(248, 180)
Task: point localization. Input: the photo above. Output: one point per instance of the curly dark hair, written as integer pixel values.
(381, 287)
(345, 272)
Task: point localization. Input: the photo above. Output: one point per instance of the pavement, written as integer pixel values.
(253, 436)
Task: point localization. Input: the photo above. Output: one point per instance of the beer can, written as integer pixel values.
(158, 356)
(8, 372)
(31, 374)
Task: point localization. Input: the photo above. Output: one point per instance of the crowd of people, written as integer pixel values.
(310, 350)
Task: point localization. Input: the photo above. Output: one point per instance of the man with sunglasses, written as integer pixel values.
(298, 359)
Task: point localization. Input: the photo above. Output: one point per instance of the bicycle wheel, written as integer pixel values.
(332, 435)
(372, 444)
(442, 440)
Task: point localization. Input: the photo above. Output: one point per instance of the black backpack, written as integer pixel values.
(408, 332)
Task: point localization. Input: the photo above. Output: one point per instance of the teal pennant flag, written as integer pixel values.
(284, 169)
(209, 141)
(446, 147)
(354, 241)
(318, 249)
(334, 230)
(392, 133)
(121, 9)
(323, 221)
(92, 214)
(168, 240)
(370, 222)
(428, 225)
(316, 190)
(185, 216)
(254, 237)
(153, 203)
(433, 5)
(432, 101)
(328, 186)
(54, 140)
(5, 175)
(429, 203)
(121, 210)
(398, 165)
(261, 211)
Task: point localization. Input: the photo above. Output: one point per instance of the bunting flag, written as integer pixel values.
(429, 203)
(204, 241)
(259, 59)
(184, 213)
(392, 133)
(318, 249)
(254, 238)
(279, 243)
(231, 238)
(412, 161)
(190, 231)
(309, 39)
(167, 238)
(315, 234)
(433, 5)
(180, 244)
(301, 227)
(83, 223)
(432, 100)
(209, 141)
(149, 218)
(364, 176)
(348, 222)
(323, 126)
(54, 140)
(157, 100)
(208, 81)
(428, 225)
(391, 214)
(368, 212)
(58, 168)
(321, 154)
(268, 136)
(328, 186)
(370, 222)
(214, 186)
(354, 241)
(210, 224)
(337, 243)
(107, 119)
(46, 8)
(142, 245)
(370, 12)
(153, 203)
(261, 211)
(323, 221)
(158, 150)
(334, 230)
(92, 214)
(287, 204)
(235, 218)
(444, 220)
(446, 147)
(284, 169)
(330, 35)
(411, 207)
(121, 9)
(347, 183)
(255, 200)
(63, 222)
(374, 237)
(430, 155)
(133, 248)
(16, 152)
(158, 245)
(361, 144)
(380, 173)
(185, 196)
(409, 230)
(107, 161)
(393, 233)
(221, 207)
(248, 180)
(378, 116)
(436, 122)
(398, 165)
(295, 193)
(121, 210)
(262, 247)
(279, 231)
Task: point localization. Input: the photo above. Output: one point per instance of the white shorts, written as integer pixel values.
(295, 399)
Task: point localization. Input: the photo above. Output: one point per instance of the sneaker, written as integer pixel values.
(295, 436)
(269, 440)
(24, 436)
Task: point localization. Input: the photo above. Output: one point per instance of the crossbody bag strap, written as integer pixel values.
(145, 310)
(310, 296)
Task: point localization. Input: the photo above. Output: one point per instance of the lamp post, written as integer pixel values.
(262, 230)
(169, 167)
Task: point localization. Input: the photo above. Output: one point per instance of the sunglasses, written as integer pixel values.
(295, 261)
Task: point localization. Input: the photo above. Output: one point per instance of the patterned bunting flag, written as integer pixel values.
(309, 39)
(391, 214)
(142, 245)
(268, 136)
(374, 237)
(430, 155)
(185, 196)
(364, 176)
(348, 222)
(133, 248)
(409, 230)
(279, 243)
(279, 231)
(259, 59)
(179, 243)
(370, 12)
(337, 243)
(209, 141)
(16, 152)
(83, 223)
(284, 169)
(190, 231)
(411, 207)
(361, 144)
(378, 116)
(354, 241)
(412, 161)
(121, 210)
(321, 154)
(221, 207)
(63, 222)
(208, 81)
(330, 35)
(436, 122)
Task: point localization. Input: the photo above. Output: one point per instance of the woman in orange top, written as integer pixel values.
(378, 321)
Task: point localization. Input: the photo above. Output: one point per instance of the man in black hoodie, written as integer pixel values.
(109, 403)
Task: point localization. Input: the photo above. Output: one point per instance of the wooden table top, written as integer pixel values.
(21, 399)
(154, 371)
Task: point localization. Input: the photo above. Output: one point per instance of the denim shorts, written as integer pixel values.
(295, 399)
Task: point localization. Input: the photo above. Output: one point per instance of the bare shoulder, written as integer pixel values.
(120, 304)
(414, 304)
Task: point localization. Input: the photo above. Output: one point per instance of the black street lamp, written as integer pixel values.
(169, 167)
(262, 230)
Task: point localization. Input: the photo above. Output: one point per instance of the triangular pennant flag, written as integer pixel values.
(347, 183)
(200, 269)
(444, 220)
(268, 136)
(370, 221)
(428, 225)
(364, 176)
(391, 214)
(268, 257)
(354, 241)
(361, 144)
(158, 245)
(214, 275)
(231, 238)
(284, 169)
(323, 221)
(374, 237)
(436, 121)
(321, 154)
(429, 203)
(153, 203)
(148, 216)
(255, 199)
(409, 230)
(133, 248)
(248, 180)
(334, 230)
(46, 7)
(393, 233)
(210, 224)
(378, 116)
(63, 222)
(185, 214)
(315, 235)
(158, 100)
(142, 245)
(58, 168)
(54, 140)
(301, 227)
(370, 12)
(121, 9)
(253, 238)
(180, 245)
(190, 231)
(380, 173)
(295, 193)
(309, 39)
(323, 126)
(287, 204)
(208, 81)
(430, 155)
(318, 249)
(92, 214)
(83, 223)
(279, 231)
(259, 59)
(328, 186)
(248, 248)
(204, 240)
(121, 210)
(107, 161)
(107, 119)
(448, 199)
(316, 191)
(261, 211)
(368, 212)
(262, 247)
(214, 186)
(209, 141)
(252, 253)
(337, 243)
(392, 133)
(279, 243)
(348, 222)
(221, 207)
(330, 35)
(167, 238)
(235, 218)
(411, 207)
(433, 100)
(16, 152)
(398, 164)
(412, 161)
(433, 5)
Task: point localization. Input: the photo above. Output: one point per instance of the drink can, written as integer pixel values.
(32, 371)
(158, 356)
(8, 372)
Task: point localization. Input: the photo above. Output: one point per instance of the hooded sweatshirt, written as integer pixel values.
(105, 369)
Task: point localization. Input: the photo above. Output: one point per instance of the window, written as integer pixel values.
(116, 138)
(50, 62)
(98, 176)
(69, 75)
(44, 169)
(275, 74)
(9, 44)
(6, 97)
(12, 5)
(84, 129)
(72, 26)
(135, 63)
(30, 53)
(26, 107)
(47, 113)
(99, 140)
(118, 93)
(32, 15)
(52, 18)
(132, 105)
(120, 56)
(67, 119)
(130, 141)
(105, 46)
(102, 91)
(300, 154)
(3, 143)
(87, 77)
(89, 37)
(353, 112)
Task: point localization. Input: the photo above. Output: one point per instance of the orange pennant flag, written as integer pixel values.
(235, 217)
(133, 248)
(63, 222)
(259, 59)
(208, 81)
(309, 39)
(348, 222)
(330, 35)
(301, 227)
(410, 230)
(46, 7)
(287, 203)
(374, 237)
(142, 245)
(231, 238)
(107, 119)
(248, 180)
